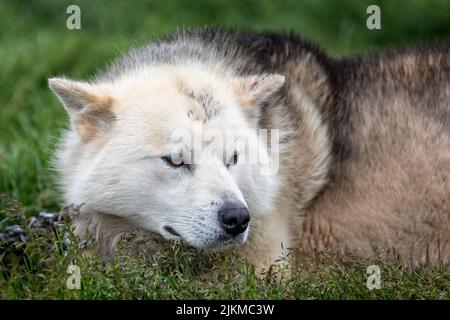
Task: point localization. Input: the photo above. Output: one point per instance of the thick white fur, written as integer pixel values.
(119, 176)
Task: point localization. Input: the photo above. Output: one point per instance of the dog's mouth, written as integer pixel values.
(172, 231)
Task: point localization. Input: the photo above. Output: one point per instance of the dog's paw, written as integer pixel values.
(278, 271)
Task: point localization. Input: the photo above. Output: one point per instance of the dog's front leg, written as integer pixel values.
(268, 243)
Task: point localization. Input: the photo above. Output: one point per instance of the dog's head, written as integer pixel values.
(167, 148)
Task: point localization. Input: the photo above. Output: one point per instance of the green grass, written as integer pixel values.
(34, 45)
(38, 270)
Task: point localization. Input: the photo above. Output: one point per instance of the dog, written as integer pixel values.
(361, 148)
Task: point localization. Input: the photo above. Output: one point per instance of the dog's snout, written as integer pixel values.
(234, 218)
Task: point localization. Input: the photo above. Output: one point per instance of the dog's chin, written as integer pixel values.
(224, 241)
(220, 242)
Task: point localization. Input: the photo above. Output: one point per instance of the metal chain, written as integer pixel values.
(44, 222)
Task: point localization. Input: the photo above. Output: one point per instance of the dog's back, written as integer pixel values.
(390, 184)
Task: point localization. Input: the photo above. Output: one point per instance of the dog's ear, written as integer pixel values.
(90, 112)
(257, 88)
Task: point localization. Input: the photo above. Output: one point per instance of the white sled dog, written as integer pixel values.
(258, 142)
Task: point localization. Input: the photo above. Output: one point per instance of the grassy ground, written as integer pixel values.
(39, 270)
(35, 44)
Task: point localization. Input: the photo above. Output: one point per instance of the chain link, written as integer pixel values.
(44, 222)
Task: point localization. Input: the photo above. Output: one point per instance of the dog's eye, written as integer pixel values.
(175, 164)
(234, 160)
(172, 163)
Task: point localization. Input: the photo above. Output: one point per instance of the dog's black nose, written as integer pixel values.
(234, 218)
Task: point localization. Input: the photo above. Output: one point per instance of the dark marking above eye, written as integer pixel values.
(210, 106)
